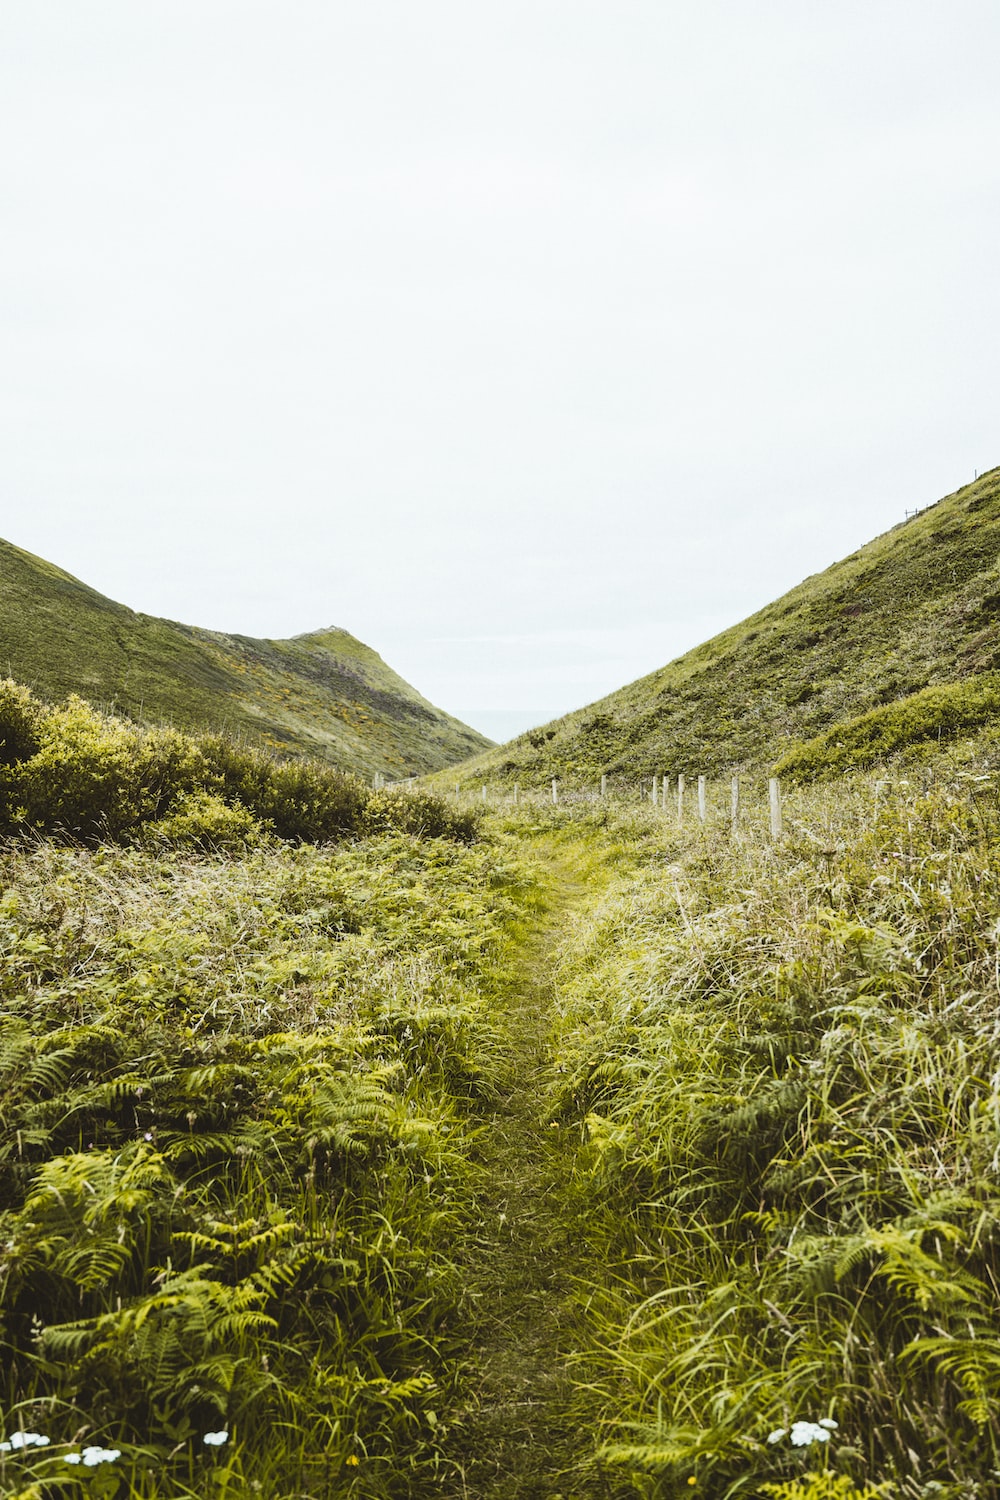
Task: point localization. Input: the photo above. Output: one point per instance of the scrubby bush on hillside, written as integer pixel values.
(21, 716)
(419, 813)
(74, 773)
(300, 800)
(201, 820)
(94, 777)
(934, 713)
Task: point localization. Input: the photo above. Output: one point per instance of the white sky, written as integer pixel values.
(531, 342)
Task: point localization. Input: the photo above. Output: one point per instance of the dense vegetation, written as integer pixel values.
(352, 1144)
(237, 1097)
(784, 1061)
(915, 608)
(933, 714)
(244, 1187)
(324, 695)
(73, 773)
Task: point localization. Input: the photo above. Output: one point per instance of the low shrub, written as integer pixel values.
(933, 713)
(201, 820)
(21, 716)
(73, 773)
(420, 813)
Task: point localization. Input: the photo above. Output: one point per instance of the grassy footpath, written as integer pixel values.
(523, 1433)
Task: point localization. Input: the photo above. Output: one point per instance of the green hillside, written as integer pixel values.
(915, 608)
(324, 694)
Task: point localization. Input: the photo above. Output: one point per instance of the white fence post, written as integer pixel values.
(774, 797)
(701, 798)
(734, 803)
(666, 792)
(680, 799)
(555, 790)
(484, 791)
(517, 792)
(652, 790)
(604, 786)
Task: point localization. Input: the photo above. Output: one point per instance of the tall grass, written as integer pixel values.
(785, 1065)
(236, 1099)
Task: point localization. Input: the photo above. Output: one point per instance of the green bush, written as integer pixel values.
(933, 713)
(21, 716)
(201, 820)
(419, 813)
(86, 778)
(77, 774)
(302, 801)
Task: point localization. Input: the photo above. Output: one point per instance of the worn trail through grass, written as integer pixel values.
(523, 1434)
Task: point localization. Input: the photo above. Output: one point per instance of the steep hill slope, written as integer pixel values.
(324, 694)
(919, 605)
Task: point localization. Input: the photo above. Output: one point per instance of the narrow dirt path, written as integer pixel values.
(520, 1437)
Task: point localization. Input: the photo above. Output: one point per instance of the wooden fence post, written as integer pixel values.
(484, 791)
(774, 797)
(734, 804)
(701, 798)
(680, 799)
(555, 790)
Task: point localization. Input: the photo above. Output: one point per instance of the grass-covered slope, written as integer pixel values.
(325, 694)
(917, 607)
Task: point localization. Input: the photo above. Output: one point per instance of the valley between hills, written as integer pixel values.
(391, 1142)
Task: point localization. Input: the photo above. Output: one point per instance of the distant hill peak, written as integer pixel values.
(324, 693)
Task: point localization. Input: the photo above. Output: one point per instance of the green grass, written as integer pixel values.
(934, 714)
(917, 607)
(326, 694)
(238, 1100)
(573, 1162)
(783, 1062)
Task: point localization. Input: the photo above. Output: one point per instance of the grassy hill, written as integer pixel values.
(324, 694)
(916, 608)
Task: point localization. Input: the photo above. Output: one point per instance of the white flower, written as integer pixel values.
(776, 1435)
(25, 1440)
(215, 1439)
(95, 1455)
(829, 1422)
(803, 1433)
(71, 1458)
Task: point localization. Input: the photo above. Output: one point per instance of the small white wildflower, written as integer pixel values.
(777, 1435)
(148, 1136)
(25, 1440)
(215, 1439)
(829, 1422)
(71, 1458)
(803, 1433)
(95, 1455)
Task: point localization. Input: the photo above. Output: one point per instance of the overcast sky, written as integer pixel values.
(530, 342)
